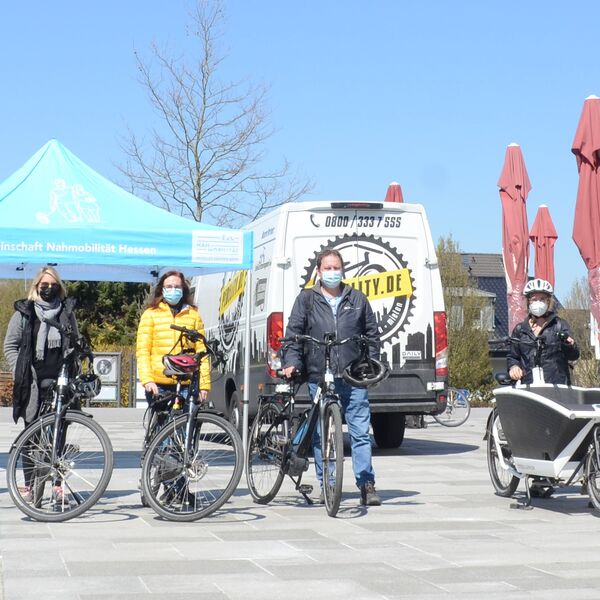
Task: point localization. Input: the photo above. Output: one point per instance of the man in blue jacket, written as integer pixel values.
(334, 307)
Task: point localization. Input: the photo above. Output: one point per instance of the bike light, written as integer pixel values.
(441, 344)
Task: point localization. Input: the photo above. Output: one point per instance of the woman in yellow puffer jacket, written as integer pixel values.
(170, 304)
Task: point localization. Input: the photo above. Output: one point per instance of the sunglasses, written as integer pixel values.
(47, 286)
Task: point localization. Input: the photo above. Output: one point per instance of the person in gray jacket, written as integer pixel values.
(334, 307)
(33, 348)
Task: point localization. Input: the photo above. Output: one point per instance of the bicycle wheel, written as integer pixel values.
(332, 447)
(152, 424)
(268, 444)
(504, 482)
(180, 491)
(65, 489)
(592, 474)
(457, 410)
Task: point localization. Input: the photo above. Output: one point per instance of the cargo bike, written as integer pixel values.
(544, 434)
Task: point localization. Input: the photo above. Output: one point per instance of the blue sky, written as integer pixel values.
(361, 94)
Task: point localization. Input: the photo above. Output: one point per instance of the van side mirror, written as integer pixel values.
(283, 261)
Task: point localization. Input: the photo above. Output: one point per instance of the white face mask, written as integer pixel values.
(331, 279)
(538, 308)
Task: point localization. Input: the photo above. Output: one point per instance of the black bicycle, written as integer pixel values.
(193, 458)
(61, 464)
(280, 442)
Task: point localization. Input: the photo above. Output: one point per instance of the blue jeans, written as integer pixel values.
(355, 404)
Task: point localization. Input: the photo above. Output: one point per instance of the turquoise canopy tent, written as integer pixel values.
(56, 210)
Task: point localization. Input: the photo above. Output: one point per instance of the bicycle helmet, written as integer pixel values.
(179, 364)
(365, 372)
(87, 386)
(538, 285)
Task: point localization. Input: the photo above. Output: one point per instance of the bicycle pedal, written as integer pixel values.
(305, 488)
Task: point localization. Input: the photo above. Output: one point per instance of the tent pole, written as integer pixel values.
(247, 355)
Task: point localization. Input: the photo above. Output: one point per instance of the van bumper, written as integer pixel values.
(413, 407)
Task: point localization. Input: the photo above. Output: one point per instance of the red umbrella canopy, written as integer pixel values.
(586, 228)
(514, 187)
(394, 193)
(586, 148)
(544, 236)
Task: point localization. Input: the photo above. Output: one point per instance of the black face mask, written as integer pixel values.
(49, 294)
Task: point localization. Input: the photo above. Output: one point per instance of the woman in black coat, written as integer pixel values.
(542, 337)
(33, 347)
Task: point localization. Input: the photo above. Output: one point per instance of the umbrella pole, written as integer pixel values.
(248, 329)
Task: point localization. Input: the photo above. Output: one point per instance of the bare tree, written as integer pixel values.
(577, 313)
(205, 160)
(468, 353)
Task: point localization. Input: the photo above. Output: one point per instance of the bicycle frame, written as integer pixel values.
(190, 400)
(324, 395)
(60, 404)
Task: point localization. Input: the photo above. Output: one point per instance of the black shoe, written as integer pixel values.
(538, 491)
(368, 495)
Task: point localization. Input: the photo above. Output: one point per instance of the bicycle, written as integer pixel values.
(193, 458)
(545, 433)
(60, 465)
(458, 408)
(280, 442)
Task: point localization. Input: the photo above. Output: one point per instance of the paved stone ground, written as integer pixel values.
(440, 534)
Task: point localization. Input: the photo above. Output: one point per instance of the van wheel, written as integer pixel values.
(388, 429)
(234, 411)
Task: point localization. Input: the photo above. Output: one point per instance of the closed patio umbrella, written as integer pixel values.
(543, 236)
(514, 188)
(394, 193)
(586, 228)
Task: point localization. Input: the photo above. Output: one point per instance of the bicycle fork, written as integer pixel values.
(59, 466)
(193, 409)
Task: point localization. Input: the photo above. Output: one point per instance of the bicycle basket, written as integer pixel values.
(87, 386)
(179, 364)
(365, 372)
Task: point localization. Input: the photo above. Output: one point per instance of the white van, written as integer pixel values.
(388, 254)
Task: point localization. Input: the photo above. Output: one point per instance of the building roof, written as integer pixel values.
(483, 265)
(461, 292)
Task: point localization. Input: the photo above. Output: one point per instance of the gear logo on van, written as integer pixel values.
(231, 301)
(372, 266)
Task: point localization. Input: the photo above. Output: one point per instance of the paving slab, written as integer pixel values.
(441, 533)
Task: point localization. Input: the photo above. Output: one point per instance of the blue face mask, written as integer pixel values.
(172, 295)
(331, 279)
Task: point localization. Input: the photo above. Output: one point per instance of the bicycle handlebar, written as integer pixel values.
(295, 376)
(190, 334)
(328, 341)
(212, 346)
(561, 335)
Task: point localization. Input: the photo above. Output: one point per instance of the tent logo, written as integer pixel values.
(71, 202)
